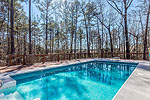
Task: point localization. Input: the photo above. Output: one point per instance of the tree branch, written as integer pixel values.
(129, 4)
(116, 7)
(102, 22)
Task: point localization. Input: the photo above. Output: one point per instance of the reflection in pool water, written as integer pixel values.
(89, 81)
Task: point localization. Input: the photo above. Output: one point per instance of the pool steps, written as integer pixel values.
(8, 82)
(11, 96)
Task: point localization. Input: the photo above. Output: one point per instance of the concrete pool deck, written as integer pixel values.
(137, 87)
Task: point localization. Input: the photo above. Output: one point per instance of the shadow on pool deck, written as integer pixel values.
(14, 68)
(145, 67)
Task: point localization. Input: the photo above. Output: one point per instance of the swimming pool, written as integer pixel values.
(86, 81)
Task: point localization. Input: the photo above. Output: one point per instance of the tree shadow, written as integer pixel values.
(15, 68)
(144, 67)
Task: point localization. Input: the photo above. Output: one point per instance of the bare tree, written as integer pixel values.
(107, 24)
(127, 4)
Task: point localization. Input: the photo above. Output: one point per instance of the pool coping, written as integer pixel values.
(89, 60)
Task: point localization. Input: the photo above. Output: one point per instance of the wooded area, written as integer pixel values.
(73, 29)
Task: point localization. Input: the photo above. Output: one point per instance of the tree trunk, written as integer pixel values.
(12, 28)
(50, 41)
(80, 43)
(102, 50)
(30, 46)
(111, 44)
(53, 37)
(75, 38)
(8, 36)
(126, 33)
(99, 38)
(145, 36)
(24, 62)
(71, 42)
(58, 40)
(89, 37)
(18, 44)
(72, 33)
(34, 42)
(46, 51)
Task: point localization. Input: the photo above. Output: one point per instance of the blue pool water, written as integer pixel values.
(88, 81)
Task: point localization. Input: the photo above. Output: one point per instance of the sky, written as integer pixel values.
(36, 12)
